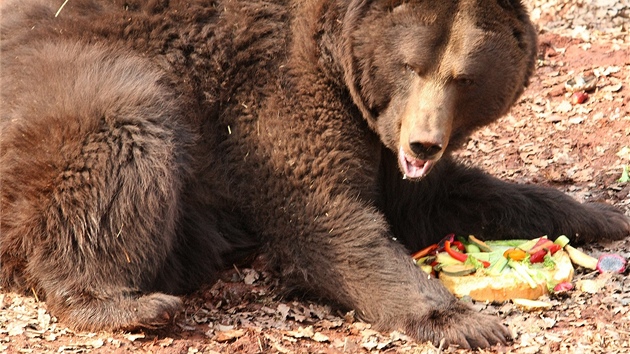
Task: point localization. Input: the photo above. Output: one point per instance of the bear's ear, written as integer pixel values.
(351, 21)
(525, 35)
(394, 4)
(512, 5)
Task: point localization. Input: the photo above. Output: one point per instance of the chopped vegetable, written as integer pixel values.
(445, 259)
(590, 286)
(562, 287)
(459, 245)
(482, 245)
(482, 256)
(425, 252)
(528, 245)
(577, 257)
(449, 238)
(548, 262)
(497, 267)
(507, 243)
(426, 268)
(521, 270)
(538, 256)
(460, 256)
(531, 305)
(542, 244)
(562, 241)
(459, 269)
(477, 263)
(611, 263)
(472, 248)
(580, 258)
(515, 254)
(553, 248)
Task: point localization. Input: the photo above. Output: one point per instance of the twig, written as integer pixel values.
(61, 7)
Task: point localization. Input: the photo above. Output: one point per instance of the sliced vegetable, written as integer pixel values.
(482, 245)
(611, 263)
(528, 245)
(548, 262)
(577, 257)
(590, 286)
(538, 256)
(472, 248)
(482, 256)
(542, 244)
(477, 263)
(425, 252)
(458, 245)
(521, 270)
(458, 269)
(515, 254)
(506, 243)
(449, 238)
(497, 267)
(562, 287)
(531, 305)
(553, 248)
(562, 241)
(460, 256)
(426, 268)
(580, 258)
(445, 259)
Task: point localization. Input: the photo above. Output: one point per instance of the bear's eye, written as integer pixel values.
(464, 81)
(413, 69)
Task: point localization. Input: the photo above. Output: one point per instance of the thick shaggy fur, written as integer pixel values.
(143, 144)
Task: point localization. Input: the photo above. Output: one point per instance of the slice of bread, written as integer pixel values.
(508, 285)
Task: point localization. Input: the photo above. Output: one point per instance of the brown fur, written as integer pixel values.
(144, 144)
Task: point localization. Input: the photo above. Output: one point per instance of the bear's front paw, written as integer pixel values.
(459, 325)
(611, 224)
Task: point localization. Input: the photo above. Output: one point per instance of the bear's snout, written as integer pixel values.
(425, 150)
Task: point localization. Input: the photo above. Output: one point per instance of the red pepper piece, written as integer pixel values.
(538, 257)
(460, 246)
(425, 252)
(543, 243)
(554, 248)
(460, 256)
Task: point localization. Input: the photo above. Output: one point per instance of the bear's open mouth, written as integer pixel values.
(412, 167)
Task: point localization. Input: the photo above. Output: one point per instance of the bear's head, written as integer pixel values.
(426, 73)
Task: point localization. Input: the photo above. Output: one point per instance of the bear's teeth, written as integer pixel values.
(413, 168)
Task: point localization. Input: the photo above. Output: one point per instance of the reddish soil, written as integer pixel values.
(581, 149)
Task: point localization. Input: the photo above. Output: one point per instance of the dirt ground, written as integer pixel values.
(546, 139)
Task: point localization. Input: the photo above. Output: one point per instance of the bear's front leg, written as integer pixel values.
(463, 200)
(339, 248)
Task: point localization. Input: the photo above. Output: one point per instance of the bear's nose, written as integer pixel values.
(425, 150)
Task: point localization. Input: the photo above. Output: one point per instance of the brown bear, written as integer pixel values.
(146, 143)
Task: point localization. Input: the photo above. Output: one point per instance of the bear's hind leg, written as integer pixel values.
(93, 163)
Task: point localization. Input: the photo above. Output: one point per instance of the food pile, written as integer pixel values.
(508, 269)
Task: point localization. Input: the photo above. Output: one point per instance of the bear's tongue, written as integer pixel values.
(413, 168)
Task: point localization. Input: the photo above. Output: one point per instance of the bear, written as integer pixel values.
(146, 144)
